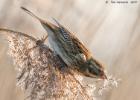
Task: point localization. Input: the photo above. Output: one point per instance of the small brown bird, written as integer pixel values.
(70, 49)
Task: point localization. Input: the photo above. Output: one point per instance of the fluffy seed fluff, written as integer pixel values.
(43, 75)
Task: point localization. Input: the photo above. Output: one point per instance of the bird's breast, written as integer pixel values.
(58, 49)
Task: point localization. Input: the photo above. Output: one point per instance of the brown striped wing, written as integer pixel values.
(73, 43)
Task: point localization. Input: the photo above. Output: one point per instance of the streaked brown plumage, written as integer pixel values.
(70, 49)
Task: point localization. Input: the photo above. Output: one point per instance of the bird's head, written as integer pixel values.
(94, 69)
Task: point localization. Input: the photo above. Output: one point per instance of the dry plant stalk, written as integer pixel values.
(41, 73)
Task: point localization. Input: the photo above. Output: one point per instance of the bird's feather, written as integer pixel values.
(72, 41)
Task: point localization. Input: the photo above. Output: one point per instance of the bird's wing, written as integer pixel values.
(66, 36)
(80, 47)
(73, 42)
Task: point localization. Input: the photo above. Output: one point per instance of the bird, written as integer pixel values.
(71, 49)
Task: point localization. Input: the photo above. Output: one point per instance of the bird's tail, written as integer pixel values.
(47, 25)
(30, 13)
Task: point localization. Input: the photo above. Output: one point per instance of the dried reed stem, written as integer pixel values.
(41, 73)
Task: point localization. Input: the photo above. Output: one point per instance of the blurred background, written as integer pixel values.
(111, 32)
